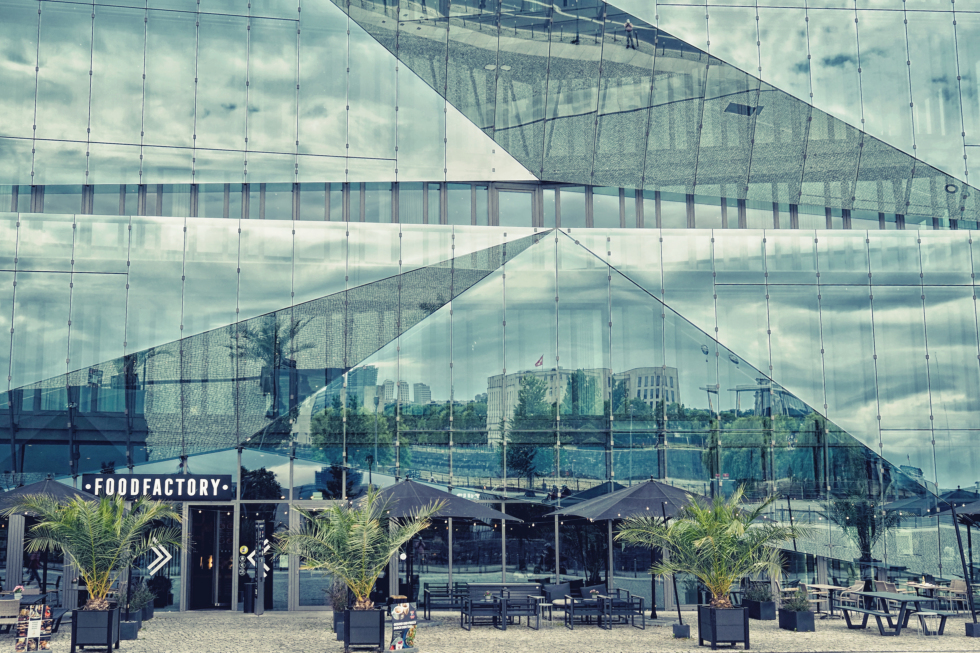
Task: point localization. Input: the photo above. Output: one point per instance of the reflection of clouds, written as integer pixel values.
(64, 56)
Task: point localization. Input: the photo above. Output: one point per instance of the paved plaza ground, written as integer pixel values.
(227, 632)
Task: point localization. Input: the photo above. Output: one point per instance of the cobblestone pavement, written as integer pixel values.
(309, 632)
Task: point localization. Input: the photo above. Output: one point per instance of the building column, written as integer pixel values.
(15, 551)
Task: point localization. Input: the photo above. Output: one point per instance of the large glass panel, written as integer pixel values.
(211, 275)
(6, 312)
(40, 338)
(460, 208)
(320, 261)
(743, 321)
(377, 202)
(791, 258)
(19, 31)
(794, 322)
(371, 118)
(45, 242)
(894, 258)
(221, 66)
(117, 75)
(63, 199)
(322, 92)
(572, 203)
(168, 103)
(834, 63)
(266, 268)
(728, 122)
(421, 111)
(945, 258)
(518, 119)
(903, 384)
(849, 359)
(514, 208)
(98, 318)
(312, 202)
(157, 255)
(884, 77)
(953, 369)
(783, 50)
(842, 258)
(605, 207)
(688, 279)
(63, 60)
(272, 85)
(373, 254)
(102, 243)
(933, 71)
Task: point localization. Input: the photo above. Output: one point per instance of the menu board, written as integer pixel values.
(34, 628)
(403, 622)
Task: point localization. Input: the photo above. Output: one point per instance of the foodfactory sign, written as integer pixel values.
(164, 487)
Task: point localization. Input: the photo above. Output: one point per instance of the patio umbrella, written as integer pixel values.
(931, 504)
(408, 496)
(651, 498)
(49, 488)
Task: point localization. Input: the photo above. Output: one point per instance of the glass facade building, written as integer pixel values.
(488, 246)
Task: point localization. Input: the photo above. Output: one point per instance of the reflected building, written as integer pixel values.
(218, 254)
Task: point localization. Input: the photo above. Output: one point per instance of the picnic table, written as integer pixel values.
(901, 620)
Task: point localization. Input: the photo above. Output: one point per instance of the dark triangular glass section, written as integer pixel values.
(576, 99)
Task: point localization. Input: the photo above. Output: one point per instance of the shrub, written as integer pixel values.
(798, 602)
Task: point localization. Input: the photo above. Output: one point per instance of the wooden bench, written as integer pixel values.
(877, 614)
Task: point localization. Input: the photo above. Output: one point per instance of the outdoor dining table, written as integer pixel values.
(25, 599)
(831, 591)
(882, 598)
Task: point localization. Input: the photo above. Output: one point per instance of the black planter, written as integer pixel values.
(972, 629)
(129, 630)
(95, 628)
(364, 628)
(761, 610)
(147, 612)
(682, 631)
(338, 624)
(801, 622)
(723, 626)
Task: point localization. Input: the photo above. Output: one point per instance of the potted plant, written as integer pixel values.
(337, 595)
(718, 543)
(794, 613)
(141, 600)
(19, 592)
(759, 602)
(101, 539)
(355, 542)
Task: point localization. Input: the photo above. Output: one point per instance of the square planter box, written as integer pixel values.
(364, 628)
(129, 630)
(147, 612)
(338, 624)
(95, 628)
(761, 610)
(972, 629)
(723, 626)
(801, 622)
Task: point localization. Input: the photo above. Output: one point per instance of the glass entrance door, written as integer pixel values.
(211, 557)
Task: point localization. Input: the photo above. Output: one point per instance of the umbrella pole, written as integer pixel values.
(609, 571)
(677, 597)
(449, 540)
(653, 584)
(966, 575)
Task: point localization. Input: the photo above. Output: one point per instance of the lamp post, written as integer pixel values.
(377, 400)
(370, 462)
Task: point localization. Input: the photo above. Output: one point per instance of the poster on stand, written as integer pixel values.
(34, 625)
(403, 622)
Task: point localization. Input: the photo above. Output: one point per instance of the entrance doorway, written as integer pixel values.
(211, 557)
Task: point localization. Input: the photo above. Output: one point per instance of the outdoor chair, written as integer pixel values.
(848, 596)
(581, 609)
(815, 597)
(955, 594)
(882, 586)
(9, 611)
(616, 610)
(554, 597)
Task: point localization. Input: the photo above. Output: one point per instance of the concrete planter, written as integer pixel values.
(364, 628)
(972, 629)
(147, 612)
(682, 631)
(338, 624)
(801, 622)
(723, 626)
(129, 630)
(761, 610)
(95, 628)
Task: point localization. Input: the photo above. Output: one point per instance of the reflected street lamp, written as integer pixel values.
(377, 400)
(370, 462)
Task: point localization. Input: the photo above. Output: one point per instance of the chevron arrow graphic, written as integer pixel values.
(163, 557)
(251, 556)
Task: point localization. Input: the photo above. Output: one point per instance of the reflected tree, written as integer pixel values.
(532, 411)
(864, 523)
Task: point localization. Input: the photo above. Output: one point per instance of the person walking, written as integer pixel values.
(630, 41)
(33, 565)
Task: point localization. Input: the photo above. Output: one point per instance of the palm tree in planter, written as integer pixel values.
(101, 539)
(354, 542)
(719, 543)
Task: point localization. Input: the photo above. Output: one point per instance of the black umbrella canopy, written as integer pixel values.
(931, 504)
(648, 498)
(971, 510)
(593, 492)
(409, 496)
(47, 487)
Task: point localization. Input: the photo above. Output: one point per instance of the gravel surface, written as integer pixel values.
(299, 632)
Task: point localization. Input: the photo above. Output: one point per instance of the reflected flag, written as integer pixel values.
(540, 362)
